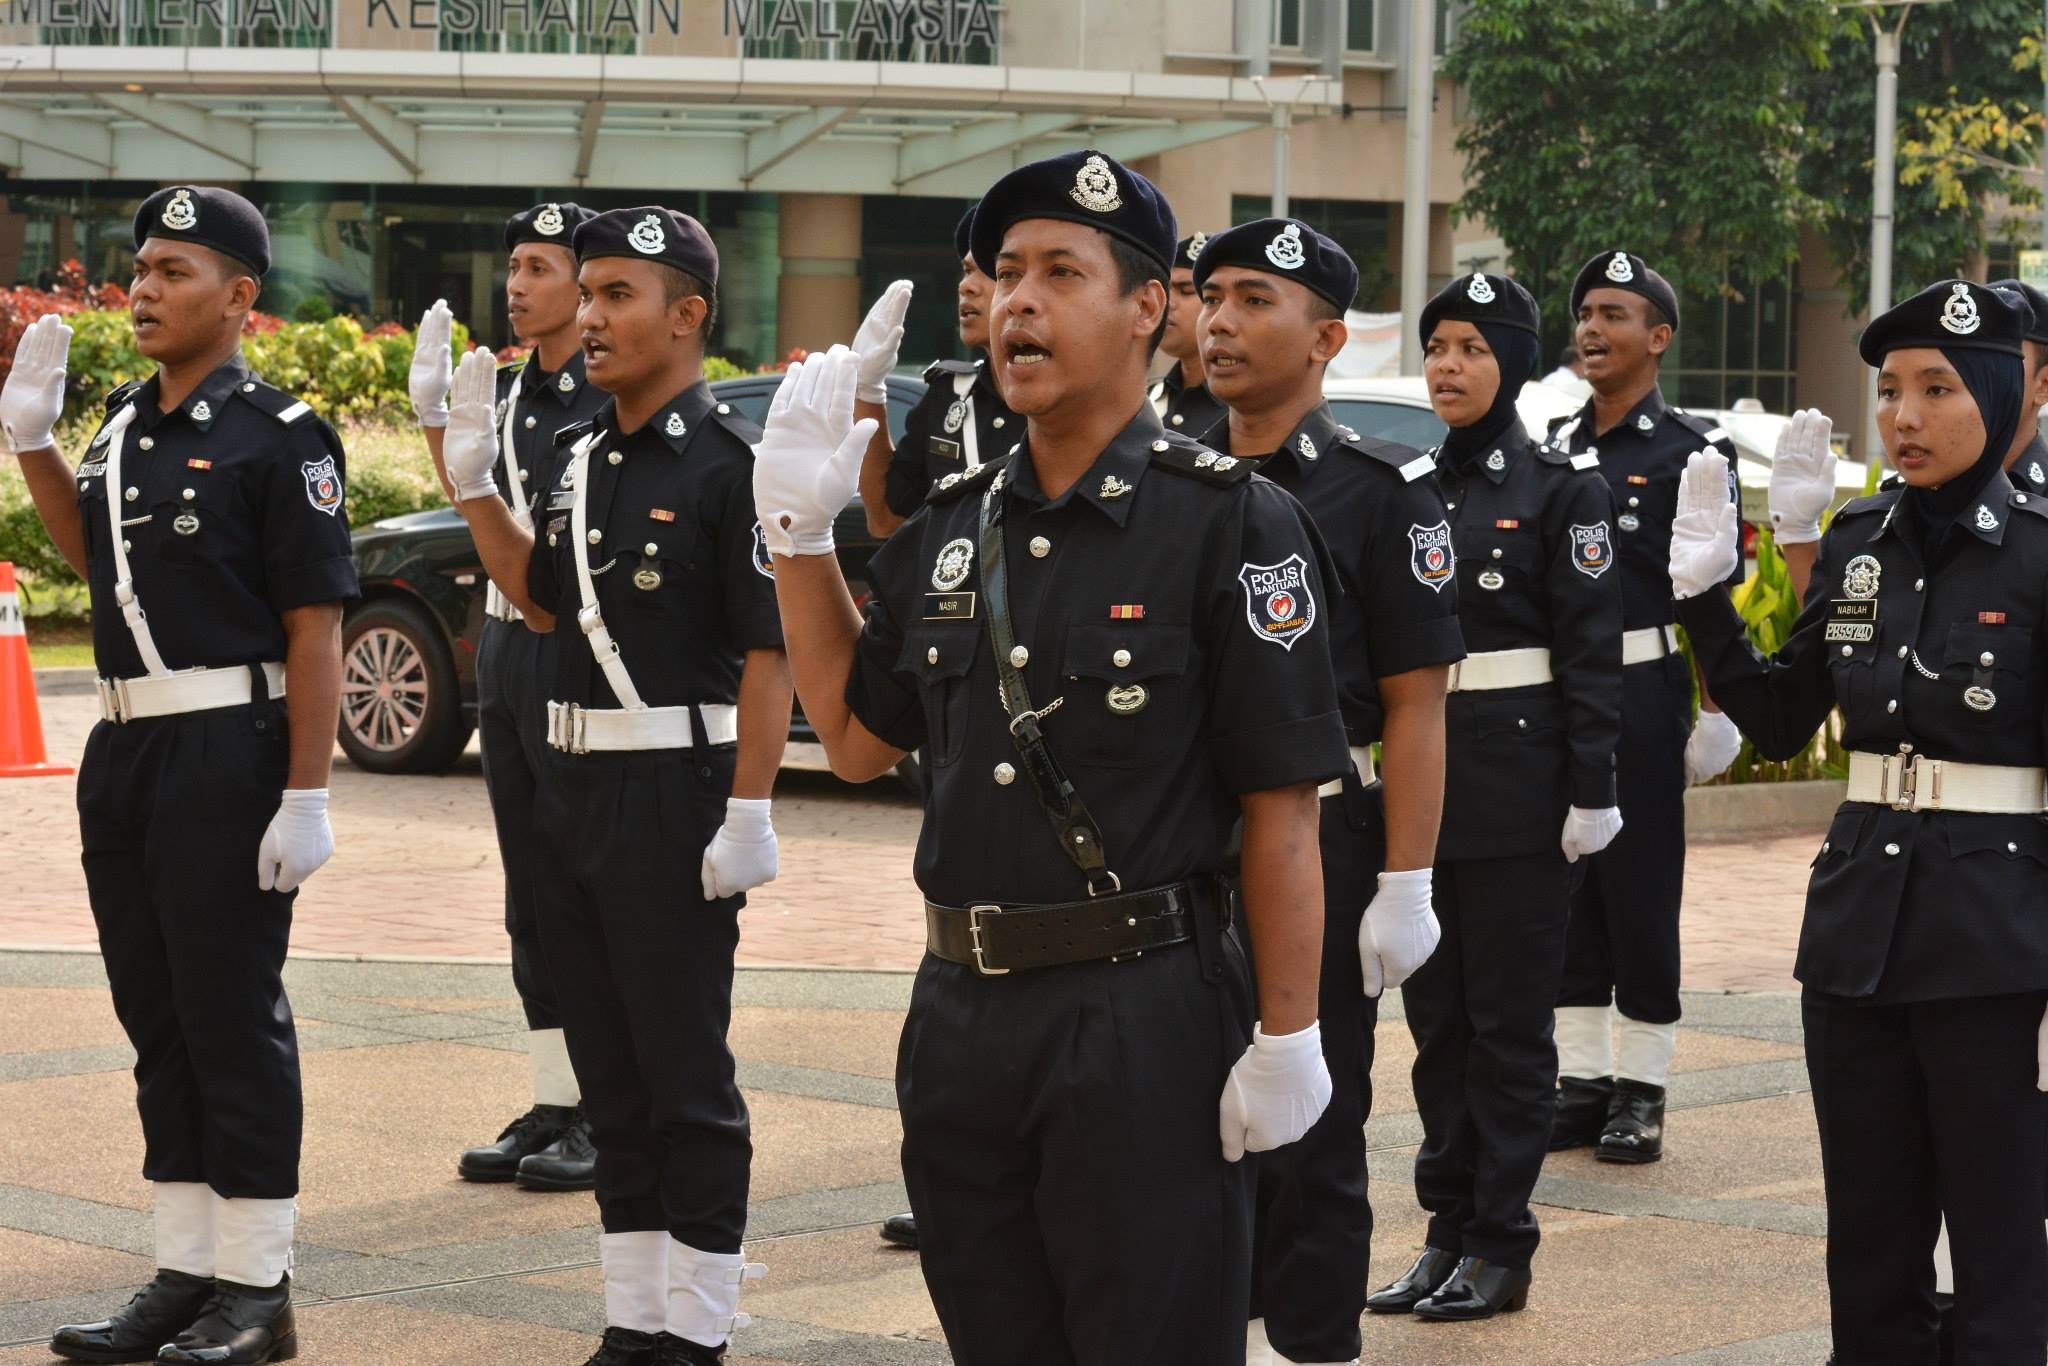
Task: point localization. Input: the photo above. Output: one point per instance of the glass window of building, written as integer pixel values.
(909, 237)
(1739, 343)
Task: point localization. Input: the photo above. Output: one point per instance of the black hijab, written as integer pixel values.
(1997, 381)
(1505, 314)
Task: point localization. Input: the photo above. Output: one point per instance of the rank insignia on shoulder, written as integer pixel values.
(1590, 460)
(1416, 468)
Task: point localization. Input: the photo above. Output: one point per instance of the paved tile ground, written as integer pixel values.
(416, 873)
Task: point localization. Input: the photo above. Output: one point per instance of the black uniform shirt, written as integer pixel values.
(1537, 569)
(542, 402)
(1374, 503)
(934, 442)
(1643, 457)
(1202, 586)
(2029, 473)
(1191, 409)
(1907, 906)
(233, 510)
(684, 581)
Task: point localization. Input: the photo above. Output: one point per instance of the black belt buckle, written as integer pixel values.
(974, 914)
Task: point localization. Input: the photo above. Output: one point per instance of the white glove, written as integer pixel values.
(298, 841)
(429, 378)
(1278, 1089)
(2041, 1056)
(1589, 831)
(808, 462)
(470, 448)
(1400, 931)
(881, 333)
(1703, 544)
(1714, 744)
(34, 397)
(1802, 477)
(742, 854)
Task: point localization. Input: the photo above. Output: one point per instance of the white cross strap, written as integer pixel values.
(588, 617)
(124, 580)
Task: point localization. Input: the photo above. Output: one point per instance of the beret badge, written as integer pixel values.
(1959, 311)
(548, 222)
(1480, 291)
(1095, 187)
(1285, 250)
(1619, 270)
(181, 214)
(647, 236)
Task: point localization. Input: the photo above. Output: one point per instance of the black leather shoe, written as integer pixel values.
(567, 1164)
(675, 1351)
(1583, 1105)
(242, 1325)
(157, 1313)
(625, 1347)
(900, 1229)
(1635, 1131)
(1477, 1290)
(1417, 1284)
(523, 1137)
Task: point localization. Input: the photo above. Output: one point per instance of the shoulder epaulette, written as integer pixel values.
(1182, 455)
(1701, 427)
(274, 401)
(1552, 455)
(726, 416)
(118, 395)
(963, 482)
(1881, 501)
(1584, 460)
(951, 367)
(1405, 461)
(574, 432)
(2029, 502)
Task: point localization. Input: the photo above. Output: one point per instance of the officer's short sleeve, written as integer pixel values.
(909, 478)
(751, 614)
(1272, 718)
(1410, 622)
(881, 697)
(307, 555)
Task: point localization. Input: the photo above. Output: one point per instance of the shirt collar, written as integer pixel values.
(1111, 483)
(1495, 461)
(534, 380)
(203, 405)
(672, 423)
(1649, 410)
(1305, 448)
(1985, 518)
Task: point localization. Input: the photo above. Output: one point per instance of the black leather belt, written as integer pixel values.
(994, 939)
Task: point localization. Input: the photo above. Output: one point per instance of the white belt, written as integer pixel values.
(201, 689)
(1914, 782)
(1361, 759)
(499, 607)
(576, 729)
(1490, 669)
(1649, 643)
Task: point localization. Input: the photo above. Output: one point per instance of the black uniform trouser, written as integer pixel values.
(1925, 1110)
(512, 718)
(1623, 944)
(1312, 1242)
(1061, 1151)
(171, 810)
(1485, 1062)
(644, 966)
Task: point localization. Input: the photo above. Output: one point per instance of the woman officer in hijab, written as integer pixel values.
(1924, 953)
(1531, 722)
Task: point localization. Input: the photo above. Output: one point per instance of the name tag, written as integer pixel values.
(949, 607)
(560, 499)
(1851, 620)
(942, 448)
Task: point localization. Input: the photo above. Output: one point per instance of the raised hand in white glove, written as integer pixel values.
(881, 333)
(298, 841)
(1589, 831)
(2041, 1056)
(34, 397)
(1400, 930)
(1714, 744)
(428, 380)
(470, 449)
(808, 462)
(1703, 542)
(1802, 477)
(741, 855)
(1278, 1089)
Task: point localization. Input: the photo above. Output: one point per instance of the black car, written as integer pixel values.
(408, 689)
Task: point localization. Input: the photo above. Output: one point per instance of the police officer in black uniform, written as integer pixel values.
(667, 714)
(1534, 715)
(1273, 297)
(1623, 945)
(548, 1147)
(1111, 646)
(961, 422)
(1181, 396)
(1923, 957)
(2026, 465)
(208, 520)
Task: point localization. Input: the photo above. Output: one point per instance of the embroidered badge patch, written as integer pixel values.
(1592, 549)
(1277, 601)
(1431, 556)
(764, 563)
(323, 485)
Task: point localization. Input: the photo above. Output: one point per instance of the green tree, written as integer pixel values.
(1609, 123)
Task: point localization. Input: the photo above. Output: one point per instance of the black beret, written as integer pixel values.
(550, 224)
(220, 219)
(963, 232)
(1078, 187)
(1481, 298)
(1288, 248)
(650, 233)
(1954, 313)
(2037, 304)
(1187, 249)
(1625, 270)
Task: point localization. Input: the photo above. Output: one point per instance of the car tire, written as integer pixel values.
(401, 706)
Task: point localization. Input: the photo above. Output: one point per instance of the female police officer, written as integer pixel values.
(1924, 956)
(1532, 721)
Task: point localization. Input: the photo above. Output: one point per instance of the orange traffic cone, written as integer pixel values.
(21, 725)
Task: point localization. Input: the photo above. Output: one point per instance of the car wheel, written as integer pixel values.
(401, 708)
